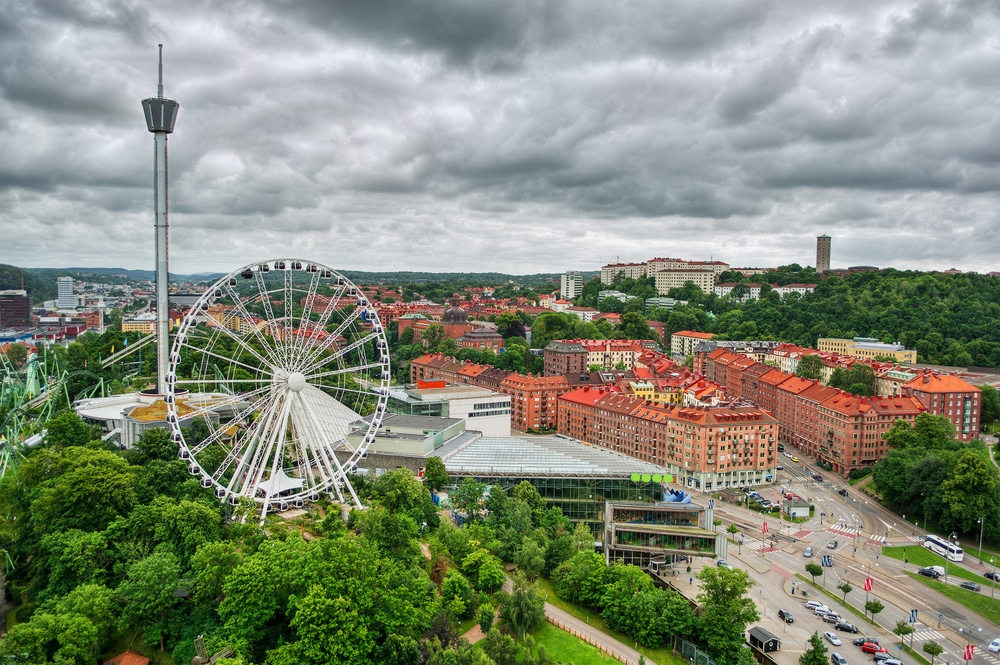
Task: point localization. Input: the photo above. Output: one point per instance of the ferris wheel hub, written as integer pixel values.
(296, 381)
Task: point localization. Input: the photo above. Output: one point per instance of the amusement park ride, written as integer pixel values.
(273, 388)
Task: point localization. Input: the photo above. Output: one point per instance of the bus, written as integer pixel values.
(945, 548)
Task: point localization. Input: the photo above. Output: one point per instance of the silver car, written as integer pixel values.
(808, 552)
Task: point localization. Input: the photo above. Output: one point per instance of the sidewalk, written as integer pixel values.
(580, 629)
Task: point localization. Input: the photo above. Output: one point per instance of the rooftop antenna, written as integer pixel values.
(161, 114)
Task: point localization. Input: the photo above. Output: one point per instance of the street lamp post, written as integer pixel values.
(993, 580)
(740, 543)
(982, 523)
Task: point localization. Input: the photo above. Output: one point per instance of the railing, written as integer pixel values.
(620, 657)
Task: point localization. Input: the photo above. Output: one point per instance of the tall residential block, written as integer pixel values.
(822, 253)
(570, 285)
(65, 299)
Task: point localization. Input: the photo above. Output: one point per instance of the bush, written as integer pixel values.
(860, 473)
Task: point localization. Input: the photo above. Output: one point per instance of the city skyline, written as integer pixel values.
(519, 138)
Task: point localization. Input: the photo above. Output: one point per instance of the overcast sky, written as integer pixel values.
(510, 136)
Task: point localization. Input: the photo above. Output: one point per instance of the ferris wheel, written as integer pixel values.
(277, 384)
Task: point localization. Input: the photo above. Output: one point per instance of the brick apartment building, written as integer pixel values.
(705, 447)
(949, 396)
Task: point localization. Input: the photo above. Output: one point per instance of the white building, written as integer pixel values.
(482, 410)
(570, 285)
(65, 298)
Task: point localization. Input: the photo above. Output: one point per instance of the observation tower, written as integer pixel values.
(161, 114)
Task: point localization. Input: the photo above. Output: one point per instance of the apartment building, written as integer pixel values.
(665, 280)
(867, 347)
(683, 342)
(703, 447)
(628, 270)
(949, 396)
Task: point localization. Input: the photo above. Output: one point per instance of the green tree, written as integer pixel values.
(148, 593)
(810, 367)
(486, 615)
(581, 579)
(530, 559)
(435, 475)
(902, 629)
(990, 409)
(846, 588)
(873, 607)
(728, 612)
(501, 648)
(468, 498)
(634, 326)
(209, 566)
(523, 609)
(816, 653)
(814, 570)
(68, 429)
(968, 492)
(457, 588)
(932, 649)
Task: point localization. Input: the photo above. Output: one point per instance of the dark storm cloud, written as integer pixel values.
(520, 136)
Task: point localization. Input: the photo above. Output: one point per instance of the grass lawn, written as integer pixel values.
(663, 656)
(566, 648)
(921, 556)
(977, 601)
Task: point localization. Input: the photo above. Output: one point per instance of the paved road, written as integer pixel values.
(860, 527)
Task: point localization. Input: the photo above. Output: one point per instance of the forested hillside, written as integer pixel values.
(949, 319)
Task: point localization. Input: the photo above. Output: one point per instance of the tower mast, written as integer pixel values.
(161, 114)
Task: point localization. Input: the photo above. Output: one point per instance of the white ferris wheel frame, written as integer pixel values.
(278, 410)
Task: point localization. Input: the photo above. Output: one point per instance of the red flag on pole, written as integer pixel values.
(763, 529)
(868, 583)
(970, 651)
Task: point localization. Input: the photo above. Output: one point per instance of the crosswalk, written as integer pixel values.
(928, 634)
(844, 530)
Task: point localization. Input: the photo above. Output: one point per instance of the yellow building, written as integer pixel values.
(867, 347)
(674, 279)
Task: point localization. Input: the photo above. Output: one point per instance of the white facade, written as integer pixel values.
(674, 279)
(630, 270)
(570, 285)
(65, 297)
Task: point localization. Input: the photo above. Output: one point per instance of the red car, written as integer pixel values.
(871, 647)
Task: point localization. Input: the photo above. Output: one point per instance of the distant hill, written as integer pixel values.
(38, 288)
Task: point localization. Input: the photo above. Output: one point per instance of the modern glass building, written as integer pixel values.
(577, 478)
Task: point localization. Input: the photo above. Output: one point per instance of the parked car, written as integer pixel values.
(971, 586)
(832, 638)
(992, 576)
(814, 604)
(858, 641)
(722, 563)
(929, 572)
(892, 661)
(872, 647)
(832, 545)
(837, 659)
(994, 645)
(846, 627)
(786, 616)
(807, 552)
(832, 617)
(879, 656)
(821, 609)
